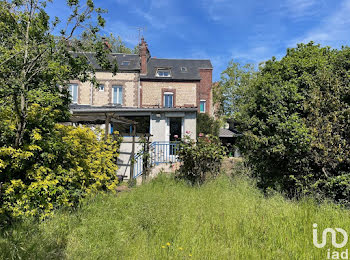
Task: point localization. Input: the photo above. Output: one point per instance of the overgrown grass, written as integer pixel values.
(223, 219)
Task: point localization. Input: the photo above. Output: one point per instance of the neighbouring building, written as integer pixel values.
(159, 97)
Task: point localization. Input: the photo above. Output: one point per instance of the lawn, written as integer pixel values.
(228, 218)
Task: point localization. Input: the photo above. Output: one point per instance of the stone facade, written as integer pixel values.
(89, 95)
(184, 93)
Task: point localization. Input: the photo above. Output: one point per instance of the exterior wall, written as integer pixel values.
(184, 93)
(159, 125)
(205, 89)
(159, 131)
(88, 95)
(124, 159)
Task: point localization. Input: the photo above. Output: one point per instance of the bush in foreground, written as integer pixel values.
(200, 159)
(60, 169)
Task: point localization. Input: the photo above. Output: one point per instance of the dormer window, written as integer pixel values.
(183, 69)
(125, 63)
(163, 73)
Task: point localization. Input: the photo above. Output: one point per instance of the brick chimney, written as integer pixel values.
(144, 55)
(106, 44)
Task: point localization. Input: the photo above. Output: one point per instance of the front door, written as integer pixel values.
(175, 128)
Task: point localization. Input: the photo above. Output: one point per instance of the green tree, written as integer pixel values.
(35, 68)
(88, 42)
(295, 118)
(234, 78)
(207, 124)
(34, 63)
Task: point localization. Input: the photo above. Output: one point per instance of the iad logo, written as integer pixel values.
(333, 254)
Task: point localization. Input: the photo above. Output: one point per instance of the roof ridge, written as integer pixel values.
(179, 59)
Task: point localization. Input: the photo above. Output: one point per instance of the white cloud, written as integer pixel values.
(128, 33)
(301, 8)
(333, 30)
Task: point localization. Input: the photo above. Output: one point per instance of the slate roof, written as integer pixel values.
(191, 72)
(134, 60)
(175, 65)
(227, 133)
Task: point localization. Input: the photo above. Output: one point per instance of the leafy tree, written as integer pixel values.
(34, 63)
(295, 118)
(207, 124)
(35, 67)
(88, 42)
(235, 77)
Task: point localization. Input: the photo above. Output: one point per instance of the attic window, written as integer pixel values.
(163, 73)
(183, 69)
(125, 63)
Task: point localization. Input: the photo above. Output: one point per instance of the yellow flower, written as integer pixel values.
(190, 255)
(180, 248)
(163, 246)
(168, 244)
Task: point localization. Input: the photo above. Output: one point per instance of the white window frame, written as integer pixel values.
(172, 96)
(162, 76)
(205, 104)
(101, 89)
(118, 93)
(72, 92)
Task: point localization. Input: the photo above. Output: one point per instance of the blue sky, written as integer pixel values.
(246, 31)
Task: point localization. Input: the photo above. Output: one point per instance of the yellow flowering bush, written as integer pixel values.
(55, 170)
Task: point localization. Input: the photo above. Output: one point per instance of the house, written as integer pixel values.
(159, 97)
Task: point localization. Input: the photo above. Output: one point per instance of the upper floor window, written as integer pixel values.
(101, 87)
(163, 73)
(168, 99)
(125, 63)
(202, 106)
(73, 90)
(117, 95)
(183, 69)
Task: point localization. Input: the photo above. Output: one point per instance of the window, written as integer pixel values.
(117, 95)
(168, 99)
(101, 87)
(202, 106)
(73, 90)
(163, 73)
(183, 69)
(125, 63)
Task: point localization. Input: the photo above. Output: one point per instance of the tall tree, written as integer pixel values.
(88, 42)
(235, 78)
(34, 62)
(295, 116)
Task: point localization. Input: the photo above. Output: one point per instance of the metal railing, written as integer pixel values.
(160, 152)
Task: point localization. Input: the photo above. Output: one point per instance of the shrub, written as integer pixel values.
(207, 124)
(200, 159)
(59, 170)
(295, 120)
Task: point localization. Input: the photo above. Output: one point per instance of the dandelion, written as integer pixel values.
(168, 244)
(180, 248)
(163, 246)
(190, 255)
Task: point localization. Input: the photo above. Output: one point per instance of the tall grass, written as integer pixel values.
(167, 219)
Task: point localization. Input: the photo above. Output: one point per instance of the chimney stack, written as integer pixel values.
(106, 44)
(144, 55)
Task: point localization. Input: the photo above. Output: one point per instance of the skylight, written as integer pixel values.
(125, 63)
(163, 73)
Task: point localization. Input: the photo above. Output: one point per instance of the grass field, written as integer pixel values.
(228, 218)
